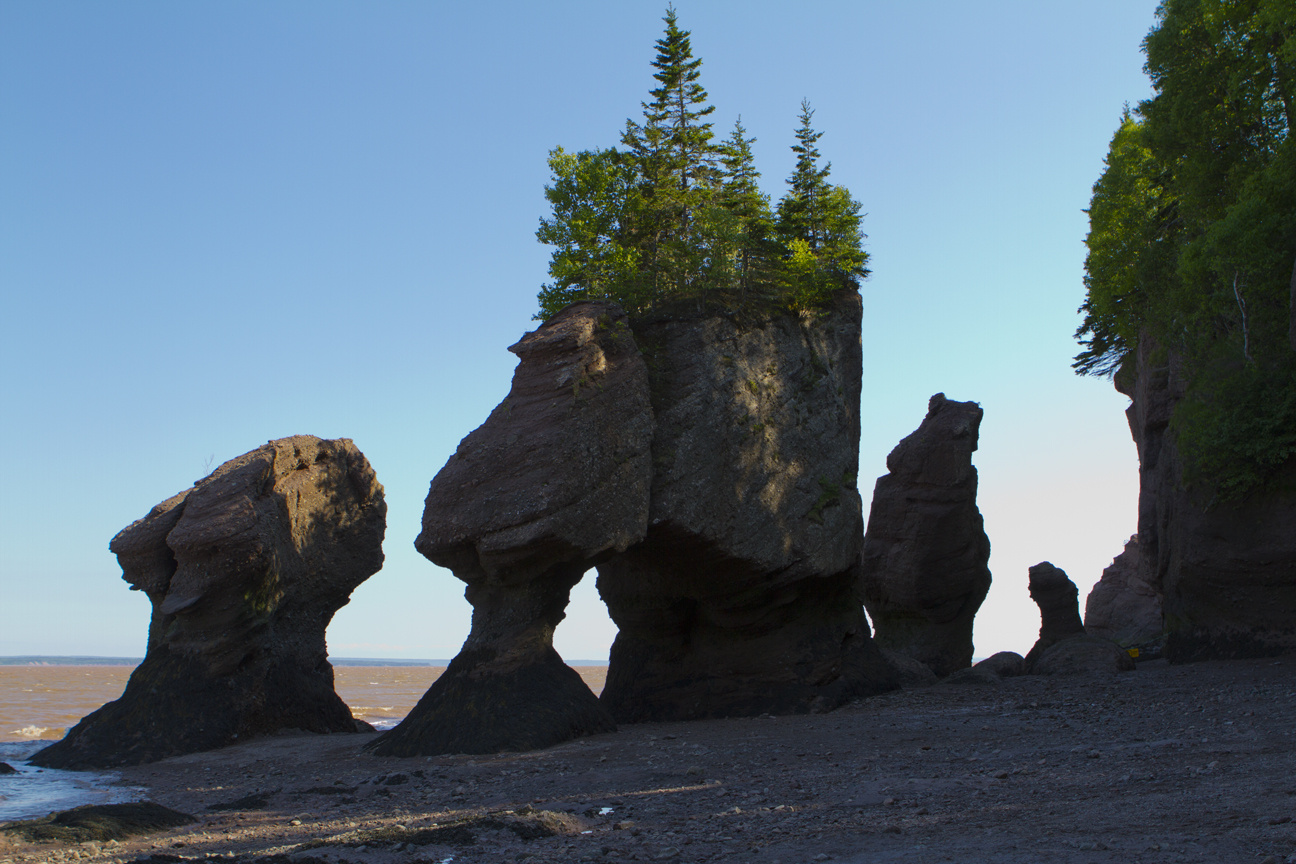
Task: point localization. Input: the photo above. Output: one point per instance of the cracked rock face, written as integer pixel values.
(556, 480)
(741, 598)
(925, 557)
(244, 570)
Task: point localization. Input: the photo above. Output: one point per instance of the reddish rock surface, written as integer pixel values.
(245, 571)
(925, 554)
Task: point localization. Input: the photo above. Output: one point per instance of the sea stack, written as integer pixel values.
(741, 599)
(554, 481)
(925, 562)
(706, 467)
(244, 570)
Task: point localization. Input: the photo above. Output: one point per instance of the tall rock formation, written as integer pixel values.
(1122, 607)
(556, 480)
(926, 553)
(741, 598)
(705, 465)
(1226, 571)
(244, 570)
(1058, 600)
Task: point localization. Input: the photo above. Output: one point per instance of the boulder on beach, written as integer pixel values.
(556, 480)
(1082, 655)
(244, 570)
(926, 553)
(1005, 664)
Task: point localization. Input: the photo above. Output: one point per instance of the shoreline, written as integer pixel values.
(1166, 763)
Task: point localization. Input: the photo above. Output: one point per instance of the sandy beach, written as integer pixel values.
(1164, 764)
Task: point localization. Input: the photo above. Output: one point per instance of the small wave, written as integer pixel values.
(357, 710)
(382, 725)
(31, 731)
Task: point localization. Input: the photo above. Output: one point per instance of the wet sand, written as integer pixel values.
(1165, 764)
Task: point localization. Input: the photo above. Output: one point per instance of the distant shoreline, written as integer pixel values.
(80, 660)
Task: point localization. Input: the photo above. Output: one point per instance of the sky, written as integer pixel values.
(224, 223)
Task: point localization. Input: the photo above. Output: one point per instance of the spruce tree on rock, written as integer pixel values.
(741, 196)
(677, 161)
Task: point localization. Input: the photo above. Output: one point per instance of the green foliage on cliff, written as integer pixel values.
(675, 217)
(1193, 235)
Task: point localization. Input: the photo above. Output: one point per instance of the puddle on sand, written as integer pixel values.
(35, 792)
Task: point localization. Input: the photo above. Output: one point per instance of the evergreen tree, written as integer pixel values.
(800, 215)
(819, 223)
(676, 160)
(1193, 234)
(741, 196)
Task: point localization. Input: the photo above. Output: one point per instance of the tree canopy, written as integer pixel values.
(676, 218)
(1192, 237)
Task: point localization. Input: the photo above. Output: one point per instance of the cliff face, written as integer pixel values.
(1226, 571)
(245, 570)
(742, 599)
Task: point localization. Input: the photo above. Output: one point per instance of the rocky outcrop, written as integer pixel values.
(556, 480)
(925, 553)
(1123, 608)
(1063, 647)
(742, 597)
(1226, 571)
(1058, 600)
(244, 570)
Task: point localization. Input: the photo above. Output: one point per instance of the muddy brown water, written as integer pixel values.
(40, 703)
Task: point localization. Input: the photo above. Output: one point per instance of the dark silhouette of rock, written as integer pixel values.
(1063, 647)
(1226, 571)
(6, 768)
(1082, 655)
(1005, 664)
(1058, 600)
(1122, 608)
(99, 823)
(555, 480)
(926, 551)
(244, 570)
(742, 597)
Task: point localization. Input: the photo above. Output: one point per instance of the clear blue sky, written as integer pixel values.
(222, 223)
